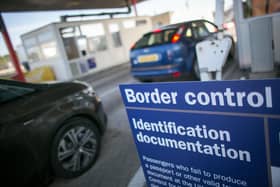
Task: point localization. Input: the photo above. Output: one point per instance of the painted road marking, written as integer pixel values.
(109, 92)
(138, 180)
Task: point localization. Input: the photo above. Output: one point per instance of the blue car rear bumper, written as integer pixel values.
(165, 71)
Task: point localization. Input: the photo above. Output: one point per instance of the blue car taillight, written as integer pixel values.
(176, 37)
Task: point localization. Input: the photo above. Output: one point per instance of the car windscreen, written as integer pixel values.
(11, 92)
(155, 38)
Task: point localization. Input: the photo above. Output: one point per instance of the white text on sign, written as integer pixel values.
(216, 98)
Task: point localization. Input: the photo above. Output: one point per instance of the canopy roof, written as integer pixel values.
(40, 5)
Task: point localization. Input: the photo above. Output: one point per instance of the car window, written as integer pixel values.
(188, 33)
(210, 27)
(199, 30)
(10, 92)
(168, 35)
(155, 38)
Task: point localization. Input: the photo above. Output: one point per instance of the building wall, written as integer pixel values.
(276, 38)
(130, 36)
(259, 7)
(161, 19)
(254, 41)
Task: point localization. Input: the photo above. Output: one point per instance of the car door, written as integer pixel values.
(190, 41)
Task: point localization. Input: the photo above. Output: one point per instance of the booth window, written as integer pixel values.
(97, 44)
(95, 35)
(74, 69)
(141, 22)
(252, 8)
(33, 53)
(32, 49)
(49, 49)
(69, 35)
(115, 33)
(48, 45)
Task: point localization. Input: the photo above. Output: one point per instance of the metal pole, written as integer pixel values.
(11, 50)
(219, 17)
(134, 7)
(219, 13)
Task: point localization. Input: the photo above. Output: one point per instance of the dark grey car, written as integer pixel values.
(48, 130)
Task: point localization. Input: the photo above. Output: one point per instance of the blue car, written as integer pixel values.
(169, 52)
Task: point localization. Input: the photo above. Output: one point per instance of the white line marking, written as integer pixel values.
(108, 92)
(138, 180)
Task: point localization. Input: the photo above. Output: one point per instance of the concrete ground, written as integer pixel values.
(231, 71)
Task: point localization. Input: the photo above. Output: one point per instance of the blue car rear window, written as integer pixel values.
(155, 38)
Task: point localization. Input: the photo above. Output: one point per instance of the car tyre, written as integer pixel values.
(231, 54)
(75, 148)
(196, 72)
(232, 50)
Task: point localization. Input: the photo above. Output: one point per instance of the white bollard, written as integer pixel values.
(211, 56)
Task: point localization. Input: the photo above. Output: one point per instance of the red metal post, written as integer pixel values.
(11, 50)
(134, 2)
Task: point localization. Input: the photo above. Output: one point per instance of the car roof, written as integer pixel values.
(176, 25)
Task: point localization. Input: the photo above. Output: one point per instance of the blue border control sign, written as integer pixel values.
(207, 134)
